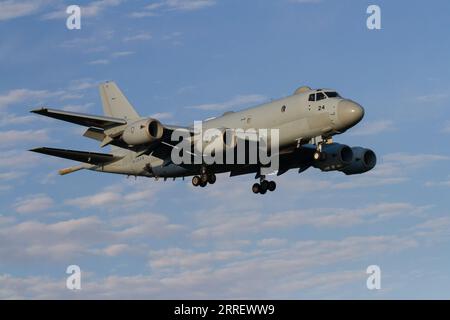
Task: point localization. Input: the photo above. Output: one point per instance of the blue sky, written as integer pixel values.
(186, 60)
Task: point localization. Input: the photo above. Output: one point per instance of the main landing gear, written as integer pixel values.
(204, 179)
(264, 186)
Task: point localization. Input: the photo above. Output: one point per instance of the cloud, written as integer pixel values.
(373, 128)
(117, 197)
(12, 175)
(144, 36)
(442, 183)
(17, 96)
(172, 5)
(93, 9)
(14, 137)
(121, 54)
(8, 119)
(97, 200)
(236, 102)
(34, 203)
(18, 159)
(226, 224)
(162, 115)
(99, 62)
(11, 9)
(432, 98)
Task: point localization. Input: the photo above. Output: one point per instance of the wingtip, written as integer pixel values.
(39, 110)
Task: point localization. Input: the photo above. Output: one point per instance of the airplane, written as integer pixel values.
(142, 146)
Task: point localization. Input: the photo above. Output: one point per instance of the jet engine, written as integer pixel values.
(334, 156)
(143, 132)
(363, 161)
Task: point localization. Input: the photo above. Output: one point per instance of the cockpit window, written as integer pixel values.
(332, 94)
(320, 96)
(312, 97)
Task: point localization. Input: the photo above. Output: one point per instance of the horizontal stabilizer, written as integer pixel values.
(81, 118)
(81, 156)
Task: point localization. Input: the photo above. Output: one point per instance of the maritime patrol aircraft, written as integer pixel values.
(143, 146)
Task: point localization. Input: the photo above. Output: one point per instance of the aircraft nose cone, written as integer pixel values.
(349, 113)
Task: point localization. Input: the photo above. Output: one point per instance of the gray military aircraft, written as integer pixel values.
(305, 121)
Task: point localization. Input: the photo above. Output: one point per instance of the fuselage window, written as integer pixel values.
(320, 96)
(312, 97)
(332, 94)
(283, 108)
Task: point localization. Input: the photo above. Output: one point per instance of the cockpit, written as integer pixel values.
(321, 95)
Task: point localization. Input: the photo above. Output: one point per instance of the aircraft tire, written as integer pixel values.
(196, 181)
(256, 188)
(212, 178)
(272, 186)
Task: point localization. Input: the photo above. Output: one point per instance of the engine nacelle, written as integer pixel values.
(335, 156)
(143, 132)
(363, 161)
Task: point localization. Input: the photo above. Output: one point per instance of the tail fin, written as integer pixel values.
(115, 104)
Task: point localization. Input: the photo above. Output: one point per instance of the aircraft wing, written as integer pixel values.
(86, 120)
(81, 156)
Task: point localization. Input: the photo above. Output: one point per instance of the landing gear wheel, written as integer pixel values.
(203, 184)
(212, 178)
(262, 191)
(256, 188)
(264, 185)
(196, 181)
(204, 178)
(272, 186)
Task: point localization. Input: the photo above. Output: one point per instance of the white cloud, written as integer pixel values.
(143, 36)
(173, 5)
(11, 9)
(121, 54)
(34, 203)
(162, 115)
(236, 102)
(93, 9)
(432, 98)
(7, 119)
(116, 249)
(99, 62)
(12, 175)
(18, 159)
(96, 200)
(373, 128)
(17, 96)
(14, 137)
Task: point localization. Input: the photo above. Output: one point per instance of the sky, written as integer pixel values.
(187, 60)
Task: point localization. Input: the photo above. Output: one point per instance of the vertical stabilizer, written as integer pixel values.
(115, 104)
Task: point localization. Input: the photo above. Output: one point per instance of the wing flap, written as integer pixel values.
(81, 156)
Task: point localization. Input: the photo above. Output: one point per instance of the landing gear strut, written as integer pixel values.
(264, 186)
